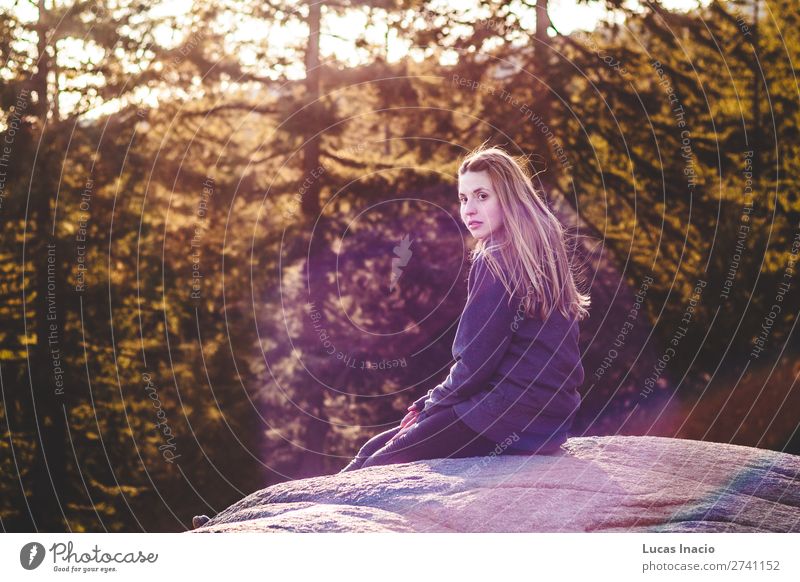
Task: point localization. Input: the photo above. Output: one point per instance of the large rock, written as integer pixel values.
(605, 484)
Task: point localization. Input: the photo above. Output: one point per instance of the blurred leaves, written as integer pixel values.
(216, 339)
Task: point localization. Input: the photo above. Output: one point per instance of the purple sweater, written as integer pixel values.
(515, 377)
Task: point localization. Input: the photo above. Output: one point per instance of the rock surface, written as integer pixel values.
(607, 484)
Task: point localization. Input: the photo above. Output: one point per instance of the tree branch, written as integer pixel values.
(237, 106)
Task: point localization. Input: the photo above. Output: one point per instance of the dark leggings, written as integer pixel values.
(440, 435)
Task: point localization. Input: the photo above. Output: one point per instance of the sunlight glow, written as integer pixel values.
(346, 38)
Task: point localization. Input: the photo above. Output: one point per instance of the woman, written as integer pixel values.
(517, 363)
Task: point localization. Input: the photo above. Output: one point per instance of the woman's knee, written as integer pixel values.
(373, 461)
(389, 457)
(377, 442)
(424, 440)
(398, 451)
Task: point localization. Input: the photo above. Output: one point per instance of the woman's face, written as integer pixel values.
(480, 206)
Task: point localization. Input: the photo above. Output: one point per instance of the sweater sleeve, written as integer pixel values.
(482, 339)
(419, 403)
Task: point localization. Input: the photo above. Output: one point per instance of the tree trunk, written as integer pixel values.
(544, 99)
(317, 426)
(310, 202)
(755, 142)
(316, 423)
(45, 358)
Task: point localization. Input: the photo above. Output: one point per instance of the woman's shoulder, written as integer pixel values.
(481, 258)
(491, 281)
(488, 263)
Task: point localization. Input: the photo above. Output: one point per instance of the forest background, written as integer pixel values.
(231, 249)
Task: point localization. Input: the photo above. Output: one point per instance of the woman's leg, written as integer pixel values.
(371, 446)
(440, 435)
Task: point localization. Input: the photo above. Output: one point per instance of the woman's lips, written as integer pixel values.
(474, 224)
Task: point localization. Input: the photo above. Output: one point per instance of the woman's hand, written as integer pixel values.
(409, 418)
(408, 421)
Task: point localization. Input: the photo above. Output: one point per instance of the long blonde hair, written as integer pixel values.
(533, 250)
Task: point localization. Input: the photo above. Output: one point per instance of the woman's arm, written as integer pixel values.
(483, 335)
(419, 403)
